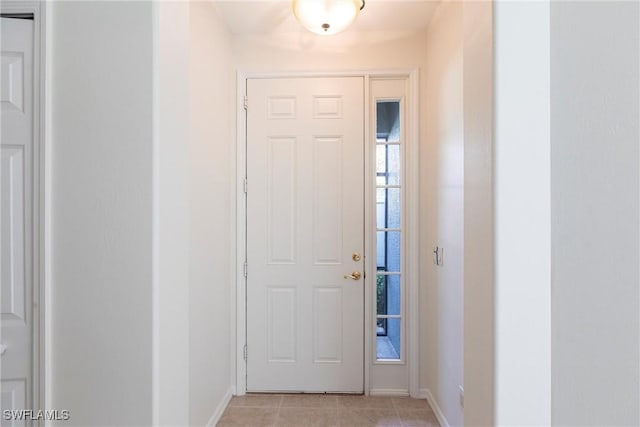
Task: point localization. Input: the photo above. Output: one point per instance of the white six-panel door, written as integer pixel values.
(16, 177)
(305, 222)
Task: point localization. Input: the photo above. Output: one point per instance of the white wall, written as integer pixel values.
(594, 213)
(567, 213)
(442, 198)
(171, 213)
(212, 91)
(101, 206)
(141, 186)
(522, 218)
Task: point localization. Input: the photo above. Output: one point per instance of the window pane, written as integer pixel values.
(388, 346)
(388, 121)
(393, 208)
(388, 164)
(393, 302)
(381, 251)
(392, 240)
(388, 297)
(381, 215)
(388, 250)
(393, 333)
(388, 208)
(393, 164)
(381, 294)
(381, 159)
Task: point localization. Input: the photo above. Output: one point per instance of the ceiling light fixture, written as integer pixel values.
(326, 17)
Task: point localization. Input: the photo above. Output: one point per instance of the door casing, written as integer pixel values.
(238, 340)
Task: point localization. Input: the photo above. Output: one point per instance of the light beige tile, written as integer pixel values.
(309, 401)
(307, 417)
(368, 417)
(409, 403)
(364, 402)
(418, 418)
(245, 416)
(256, 401)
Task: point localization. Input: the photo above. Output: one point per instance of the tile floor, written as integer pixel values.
(307, 410)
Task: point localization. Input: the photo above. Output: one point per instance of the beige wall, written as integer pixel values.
(442, 198)
(193, 182)
(457, 208)
(479, 293)
(345, 51)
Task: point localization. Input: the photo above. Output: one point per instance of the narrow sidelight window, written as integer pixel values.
(389, 234)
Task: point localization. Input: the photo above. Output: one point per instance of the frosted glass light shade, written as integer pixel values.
(326, 17)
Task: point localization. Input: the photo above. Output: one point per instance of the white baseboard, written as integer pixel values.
(434, 405)
(217, 414)
(389, 392)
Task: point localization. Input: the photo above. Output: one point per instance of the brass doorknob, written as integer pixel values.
(354, 276)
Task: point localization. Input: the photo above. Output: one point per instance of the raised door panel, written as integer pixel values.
(327, 200)
(281, 227)
(281, 324)
(12, 71)
(327, 324)
(12, 212)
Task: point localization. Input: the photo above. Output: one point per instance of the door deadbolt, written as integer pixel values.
(356, 256)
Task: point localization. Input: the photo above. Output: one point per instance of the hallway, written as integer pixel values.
(129, 208)
(327, 410)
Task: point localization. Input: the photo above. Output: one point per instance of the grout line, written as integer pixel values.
(395, 408)
(279, 408)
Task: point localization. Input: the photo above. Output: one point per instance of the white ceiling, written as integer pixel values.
(275, 16)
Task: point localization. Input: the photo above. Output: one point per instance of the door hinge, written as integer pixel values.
(246, 185)
(245, 352)
(246, 269)
(246, 102)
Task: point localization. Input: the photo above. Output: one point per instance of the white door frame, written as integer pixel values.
(238, 216)
(41, 199)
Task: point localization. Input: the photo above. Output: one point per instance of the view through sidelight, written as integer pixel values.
(388, 230)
